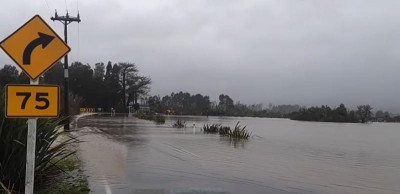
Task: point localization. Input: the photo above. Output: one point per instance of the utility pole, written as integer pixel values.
(66, 20)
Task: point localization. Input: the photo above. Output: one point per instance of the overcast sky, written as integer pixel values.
(307, 52)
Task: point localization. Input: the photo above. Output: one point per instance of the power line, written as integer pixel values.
(66, 6)
(48, 7)
(79, 43)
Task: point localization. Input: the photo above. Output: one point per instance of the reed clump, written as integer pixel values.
(238, 132)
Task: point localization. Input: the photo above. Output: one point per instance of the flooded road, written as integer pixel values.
(124, 155)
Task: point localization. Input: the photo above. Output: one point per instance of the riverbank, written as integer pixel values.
(69, 176)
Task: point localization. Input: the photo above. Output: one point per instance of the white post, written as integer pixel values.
(30, 152)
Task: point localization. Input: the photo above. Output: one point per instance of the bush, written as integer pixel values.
(214, 128)
(179, 124)
(238, 132)
(151, 116)
(159, 119)
(224, 130)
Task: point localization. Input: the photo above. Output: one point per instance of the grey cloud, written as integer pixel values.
(307, 52)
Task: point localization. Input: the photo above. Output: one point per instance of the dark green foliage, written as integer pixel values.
(8, 74)
(159, 119)
(179, 124)
(214, 128)
(181, 104)
(224, 130)
(339, 114)
(112, 86)
(238, 131)
(151, 116)
(13, 133)
(364, 113)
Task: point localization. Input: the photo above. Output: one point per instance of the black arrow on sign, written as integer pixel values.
(43, 40)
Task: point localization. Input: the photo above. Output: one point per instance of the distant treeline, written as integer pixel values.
(183, 103)
(363, 114)
(117, 86)
(105, 87)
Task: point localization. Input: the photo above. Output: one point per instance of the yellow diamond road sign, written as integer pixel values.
(35, 47)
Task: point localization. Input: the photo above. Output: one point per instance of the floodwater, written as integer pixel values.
(124, 155)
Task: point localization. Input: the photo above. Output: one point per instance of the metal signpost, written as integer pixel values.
(34, 47)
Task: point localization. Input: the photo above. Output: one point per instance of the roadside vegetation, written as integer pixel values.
(238, 132)
(151, 116)
(363, 114)
(52, 151)
(179, 124)
(49, 151)
(69, 178)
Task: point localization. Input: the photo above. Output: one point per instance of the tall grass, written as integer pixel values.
(238, 131)
(13, 135)
(214, 128)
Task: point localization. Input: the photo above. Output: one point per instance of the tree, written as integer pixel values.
(127, 71)
(155, 104)
(99, 71)
(9, 74)
(138, 87)
(114, 88)
(55, 75)
(364, 113)
(225, 104)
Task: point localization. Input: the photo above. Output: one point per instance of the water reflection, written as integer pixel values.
(234, 142)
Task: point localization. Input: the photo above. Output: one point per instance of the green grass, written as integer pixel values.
(69, 179)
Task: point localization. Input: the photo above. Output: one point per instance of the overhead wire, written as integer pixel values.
(66, 6)
(48, 7)
(79, 42)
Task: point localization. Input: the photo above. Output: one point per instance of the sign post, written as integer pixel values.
(30, 152)
(34, 47)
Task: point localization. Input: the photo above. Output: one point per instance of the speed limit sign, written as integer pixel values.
(25, 101)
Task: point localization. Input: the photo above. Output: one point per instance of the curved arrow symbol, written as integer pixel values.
(43, 40)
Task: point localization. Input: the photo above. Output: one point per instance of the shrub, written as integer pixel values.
(224, 130)
(214, 128)
(239, 132)
(151, 116)
(159, 119)
(179, 124)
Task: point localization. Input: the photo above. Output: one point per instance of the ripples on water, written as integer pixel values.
(123, 154)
